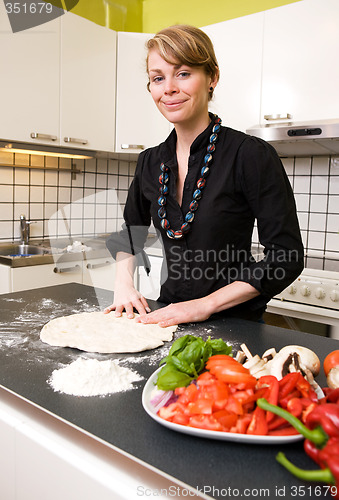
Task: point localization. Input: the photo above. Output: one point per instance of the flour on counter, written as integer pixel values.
(90, 377)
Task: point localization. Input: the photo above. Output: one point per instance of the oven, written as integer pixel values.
(313, 300)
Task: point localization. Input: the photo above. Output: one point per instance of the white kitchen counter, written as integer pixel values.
(45, 457)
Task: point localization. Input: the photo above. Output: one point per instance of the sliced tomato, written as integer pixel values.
(287, 431)
(200, 406)
(234, 406)
(226, 419)
(205, 422)
(180, 418)
(229, 370)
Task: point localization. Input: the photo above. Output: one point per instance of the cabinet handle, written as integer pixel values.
(75, 141)
(132, 146)
(60, 270)
(96, 266)
(45, 137)
(272, 118)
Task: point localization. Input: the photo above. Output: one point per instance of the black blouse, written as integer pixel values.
(247, 182)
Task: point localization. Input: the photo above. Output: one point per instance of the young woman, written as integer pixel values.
(203, 188)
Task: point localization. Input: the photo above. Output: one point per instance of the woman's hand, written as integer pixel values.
(181, 312)
(128, 298)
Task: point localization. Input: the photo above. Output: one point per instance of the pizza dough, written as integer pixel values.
(104, 333)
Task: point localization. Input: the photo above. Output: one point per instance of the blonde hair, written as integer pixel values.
(187, 45)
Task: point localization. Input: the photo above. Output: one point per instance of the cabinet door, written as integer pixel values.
(300, 73)
(88, 71)
(5, 279)
(27, 278)
(99, 273)
(29, 83)
(238, 48)
(139, 124)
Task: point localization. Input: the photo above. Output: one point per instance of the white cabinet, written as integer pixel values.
(300, 53)
(238, 48)
(30, 277)
(98, 273)
(88, 73)
(58, 83)
(139, 124)
(29, 83)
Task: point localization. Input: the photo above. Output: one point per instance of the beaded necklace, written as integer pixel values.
(201, 183)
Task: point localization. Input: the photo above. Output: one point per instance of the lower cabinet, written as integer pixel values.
(95, 272)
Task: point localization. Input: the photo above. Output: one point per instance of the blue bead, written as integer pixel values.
(189, 217)
(193, 205)
(165, 223)
(162, 212)
(216, 128)
(163, 168)
(170, 234)
(163, 189)
(185, 227)
(213, 138)
(161, 200)
(197, 194)
(205, 171)
(208, 158)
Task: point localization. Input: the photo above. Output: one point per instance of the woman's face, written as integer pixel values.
(179, 91)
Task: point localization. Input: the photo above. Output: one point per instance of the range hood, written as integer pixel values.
(312, 138)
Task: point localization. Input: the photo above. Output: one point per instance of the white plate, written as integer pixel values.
(225, 436)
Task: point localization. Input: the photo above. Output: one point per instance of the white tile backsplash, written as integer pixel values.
(21, 176)
(93, 200)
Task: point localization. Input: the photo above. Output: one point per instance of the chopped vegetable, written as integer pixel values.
(331, 361)
(186, 359)
(224, 399)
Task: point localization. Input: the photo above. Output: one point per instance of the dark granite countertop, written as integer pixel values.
(219, 468)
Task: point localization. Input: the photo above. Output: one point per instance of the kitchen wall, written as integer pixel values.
(93, 201)
(84, 204)
(315, 183)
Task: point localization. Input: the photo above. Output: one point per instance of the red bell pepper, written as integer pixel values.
(321, 444)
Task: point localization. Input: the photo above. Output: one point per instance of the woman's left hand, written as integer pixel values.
(173, 314)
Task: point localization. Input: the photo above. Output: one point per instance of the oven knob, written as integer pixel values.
(334, 295)
(292, 289)
(305, 291)
(320, 293)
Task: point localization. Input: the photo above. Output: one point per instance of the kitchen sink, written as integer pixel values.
(22, 250)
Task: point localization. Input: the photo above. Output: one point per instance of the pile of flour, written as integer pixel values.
(90, 377)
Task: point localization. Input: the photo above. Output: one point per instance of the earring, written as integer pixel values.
(211, 89)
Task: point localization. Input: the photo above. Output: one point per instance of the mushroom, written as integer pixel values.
(333, 378)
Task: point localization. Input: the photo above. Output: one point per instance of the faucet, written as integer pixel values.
(24, 229)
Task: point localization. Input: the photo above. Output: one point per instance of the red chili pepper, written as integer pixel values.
(322, 440)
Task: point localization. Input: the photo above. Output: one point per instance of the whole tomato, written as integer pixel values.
(331, 361)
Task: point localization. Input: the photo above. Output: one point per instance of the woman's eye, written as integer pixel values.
(184, 74)
(157, 79)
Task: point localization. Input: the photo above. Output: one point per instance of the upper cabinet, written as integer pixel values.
(139, 124)
(300, 53)
(29, 83)
(58, 83)
(238, 48)
(87, 84)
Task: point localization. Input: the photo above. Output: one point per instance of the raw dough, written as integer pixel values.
(104, 333)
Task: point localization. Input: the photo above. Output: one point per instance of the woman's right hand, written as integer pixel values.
(127, 298)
